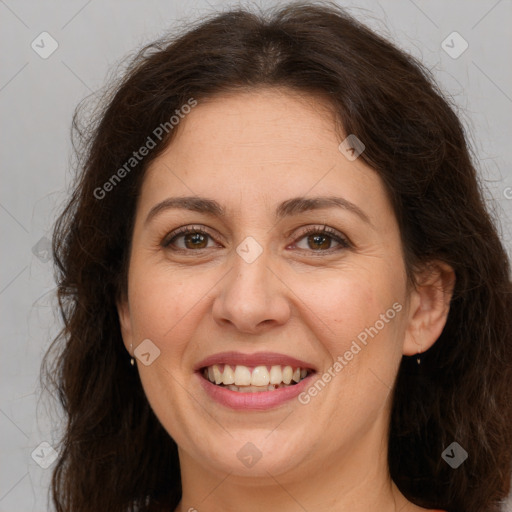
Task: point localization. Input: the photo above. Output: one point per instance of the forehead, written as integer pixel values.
(266, 144)
(283, 122)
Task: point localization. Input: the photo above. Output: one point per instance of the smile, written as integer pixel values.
(246, 379)
(259, 382)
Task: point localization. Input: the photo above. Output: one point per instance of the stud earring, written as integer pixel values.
(418, 358)
(132, 361)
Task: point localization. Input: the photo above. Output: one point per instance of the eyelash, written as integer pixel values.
(312, 230)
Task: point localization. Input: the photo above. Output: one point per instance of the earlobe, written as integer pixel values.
(430, 305)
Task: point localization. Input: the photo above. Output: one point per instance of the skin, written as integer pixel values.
(250, 151)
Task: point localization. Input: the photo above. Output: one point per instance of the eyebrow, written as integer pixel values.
(293, 206)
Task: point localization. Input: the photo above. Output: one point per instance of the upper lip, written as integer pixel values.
(256, 359)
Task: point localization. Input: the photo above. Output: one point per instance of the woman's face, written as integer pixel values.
(256, 290)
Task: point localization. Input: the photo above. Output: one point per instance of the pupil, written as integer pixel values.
(194, 238)
(317, 239)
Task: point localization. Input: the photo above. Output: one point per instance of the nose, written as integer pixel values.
(252, 297)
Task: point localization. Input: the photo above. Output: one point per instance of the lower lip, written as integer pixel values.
(259, 401)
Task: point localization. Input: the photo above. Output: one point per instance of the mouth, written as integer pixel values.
(254, 379)
(255, 382)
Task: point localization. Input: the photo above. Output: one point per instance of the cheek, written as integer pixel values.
(164, 304)
(345, 303)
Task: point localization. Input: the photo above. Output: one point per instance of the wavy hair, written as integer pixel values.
(114, 454)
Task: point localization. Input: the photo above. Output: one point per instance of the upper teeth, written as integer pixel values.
(257, 376)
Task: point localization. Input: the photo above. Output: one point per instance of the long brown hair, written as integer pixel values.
(115, 455)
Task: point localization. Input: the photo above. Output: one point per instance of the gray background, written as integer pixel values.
(37, 99)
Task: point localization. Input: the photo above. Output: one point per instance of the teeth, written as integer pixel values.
(228, 377)
(255, 389)
(276, 375)
(287, 374)
(242, 376)
(216, 374)
(251, 380)
(260, 376)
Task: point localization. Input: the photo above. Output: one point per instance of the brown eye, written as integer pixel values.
(192, 239)
(321, 240)
(195, 241)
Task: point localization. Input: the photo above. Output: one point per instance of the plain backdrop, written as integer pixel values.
(37, 99)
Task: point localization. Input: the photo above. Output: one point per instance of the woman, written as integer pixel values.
(278, 224)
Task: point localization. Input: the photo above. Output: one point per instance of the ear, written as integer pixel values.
(123, 312)
(429, 306)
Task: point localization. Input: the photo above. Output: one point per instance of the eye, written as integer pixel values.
(317, 239)
(320, 239)
(194, 238)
